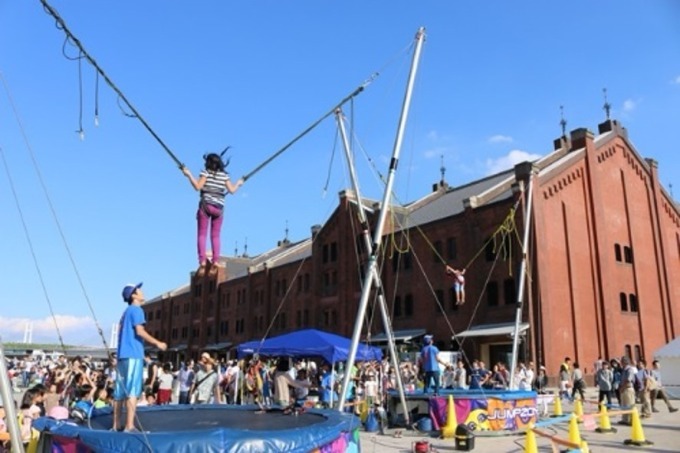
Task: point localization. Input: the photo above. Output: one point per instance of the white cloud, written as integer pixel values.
(498, 138)
(508, 161)
(432, 135)
(435, 152)
(44, 327)
(629, 105)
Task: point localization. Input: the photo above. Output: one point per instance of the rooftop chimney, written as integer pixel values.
(579, 138)
(612, 126)
(315, 230)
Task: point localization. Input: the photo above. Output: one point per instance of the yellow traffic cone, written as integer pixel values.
(605, 423)
(637, 437)
(557, 407)
(578, 410)
(574, 434)
(584, 447)
(449, 428)
(530, 442)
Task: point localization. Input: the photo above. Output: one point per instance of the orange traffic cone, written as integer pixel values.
(530, 442)
(578, 410)
(574, 434)
(605, 423)
(637, 437)
(449, 428)
(557, 407)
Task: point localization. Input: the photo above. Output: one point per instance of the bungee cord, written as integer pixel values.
(61, 25)
(350, 96)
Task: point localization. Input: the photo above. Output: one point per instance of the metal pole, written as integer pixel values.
(522, 280)
(372, 272)
(353, 94)
(378, 282)
(8, 399)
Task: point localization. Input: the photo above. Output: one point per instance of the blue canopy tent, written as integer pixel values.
(309, 343)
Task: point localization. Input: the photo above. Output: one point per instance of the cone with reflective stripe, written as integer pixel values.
(605, 422)
(574, 433)
(637, 437)
(557, 407)
(530, 442)
(449, 429)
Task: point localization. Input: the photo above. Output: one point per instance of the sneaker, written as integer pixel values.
(134, 431)
(656, 410)
(672, 409)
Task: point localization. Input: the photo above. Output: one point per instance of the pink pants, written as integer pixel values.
(209, 215)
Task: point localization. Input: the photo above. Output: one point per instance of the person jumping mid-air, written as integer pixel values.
(458, 284)
(213, 183)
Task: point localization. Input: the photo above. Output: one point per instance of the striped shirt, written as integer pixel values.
(215, 187)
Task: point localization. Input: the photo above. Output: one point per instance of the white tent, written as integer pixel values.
(669, 358)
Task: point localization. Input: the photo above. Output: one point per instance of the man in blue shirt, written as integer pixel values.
(429, 364)
(131, 337)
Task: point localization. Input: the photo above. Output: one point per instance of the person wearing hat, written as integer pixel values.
(429, 364)
(206, 386)
(130, 354)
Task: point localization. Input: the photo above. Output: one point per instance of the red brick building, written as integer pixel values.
(603, 268)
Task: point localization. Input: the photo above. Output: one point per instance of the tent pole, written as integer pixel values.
(372, 272)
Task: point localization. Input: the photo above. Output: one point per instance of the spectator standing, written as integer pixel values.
(604, 379)
(643, 389)
(165, 379)
(659, 390)
(578, 383)
(429, 364)
(628, 376)
(185, 376)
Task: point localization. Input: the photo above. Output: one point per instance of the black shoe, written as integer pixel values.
(655, 410)
(672, 409)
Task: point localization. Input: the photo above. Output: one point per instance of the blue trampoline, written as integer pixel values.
(206, 428)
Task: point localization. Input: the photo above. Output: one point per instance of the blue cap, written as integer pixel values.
(129, 290)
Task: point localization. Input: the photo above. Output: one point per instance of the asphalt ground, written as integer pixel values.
(662, 429)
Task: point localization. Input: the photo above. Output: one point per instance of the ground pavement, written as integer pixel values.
(663, 429)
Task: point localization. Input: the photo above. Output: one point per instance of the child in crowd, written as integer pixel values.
(51, 398)
(165, 378)
(29, 411)
(103, 397)
(213, 183)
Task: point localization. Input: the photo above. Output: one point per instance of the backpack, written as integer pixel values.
(637, 383)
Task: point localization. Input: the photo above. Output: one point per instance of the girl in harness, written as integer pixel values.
(458, 283)
(213, 183)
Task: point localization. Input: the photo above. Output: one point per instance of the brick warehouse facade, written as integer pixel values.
(604, 266)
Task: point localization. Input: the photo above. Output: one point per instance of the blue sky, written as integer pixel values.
(253, 75)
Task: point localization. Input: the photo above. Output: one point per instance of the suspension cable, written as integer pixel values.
(30, 246)
(29, 148)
